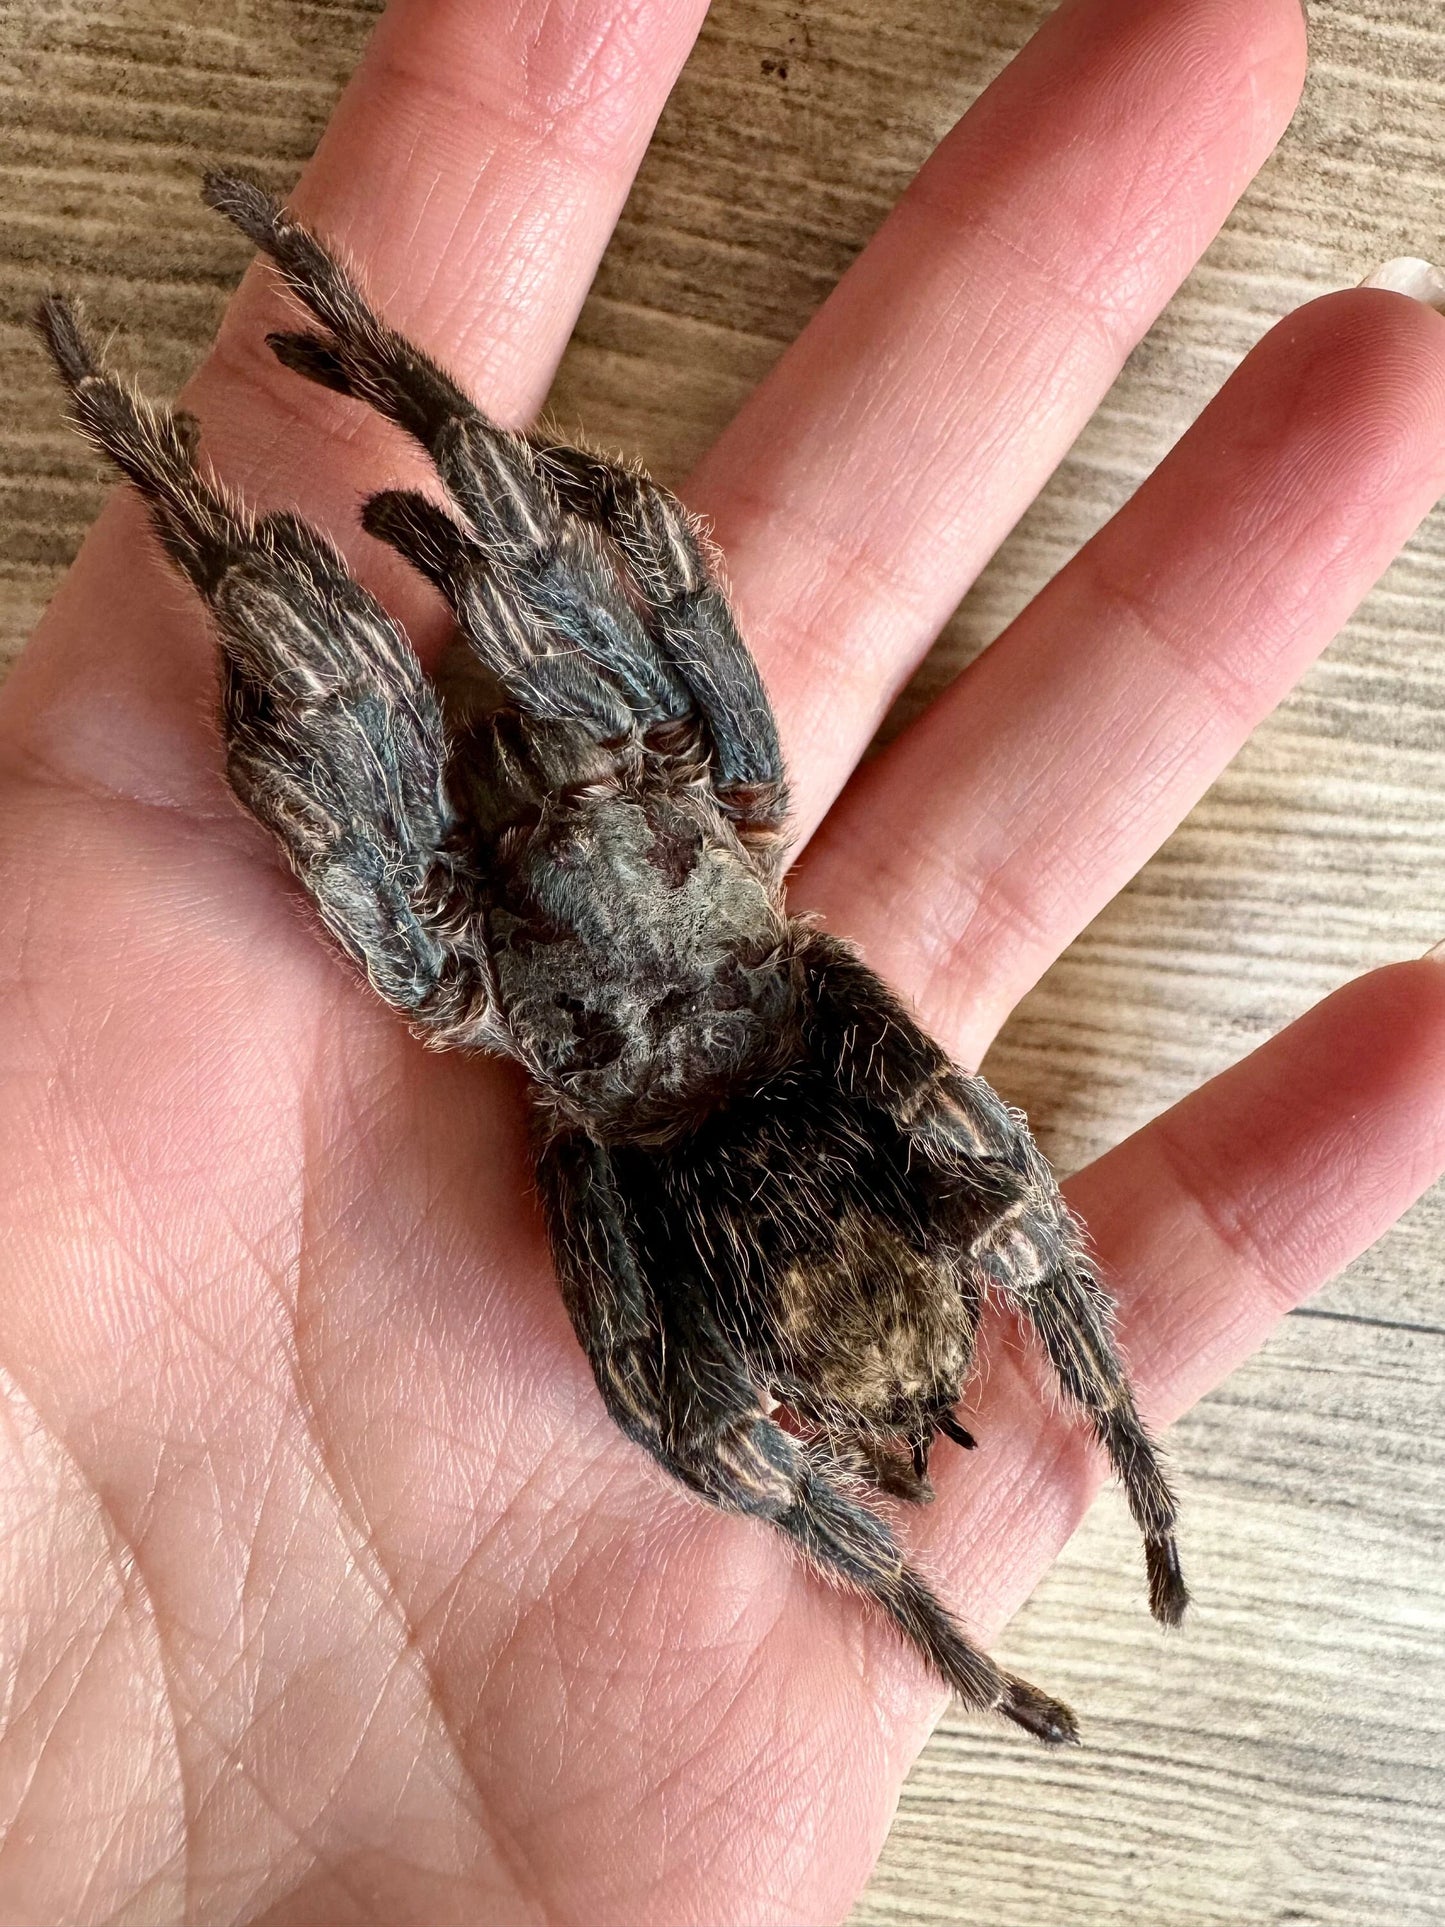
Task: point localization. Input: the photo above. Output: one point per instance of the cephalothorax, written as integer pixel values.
(775, 1204)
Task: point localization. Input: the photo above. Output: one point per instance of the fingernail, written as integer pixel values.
(1421, 280)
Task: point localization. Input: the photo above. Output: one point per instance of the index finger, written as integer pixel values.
(473, 170)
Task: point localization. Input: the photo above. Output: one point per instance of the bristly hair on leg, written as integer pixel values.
(365, 358)
(154, 446)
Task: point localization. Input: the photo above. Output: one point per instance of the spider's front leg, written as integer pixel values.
(534, 594)
(666, 555)
(530, 507)
(334, 739)
(672, 1380)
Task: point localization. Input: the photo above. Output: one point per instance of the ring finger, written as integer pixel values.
(969, 855)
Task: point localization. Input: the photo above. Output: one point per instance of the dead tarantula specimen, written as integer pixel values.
(765, 1185)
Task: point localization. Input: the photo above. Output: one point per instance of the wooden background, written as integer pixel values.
(1284, 1759)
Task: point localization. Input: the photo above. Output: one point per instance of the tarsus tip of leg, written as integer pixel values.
(1046, 1719)
(60, 326)
(246, 204)
(312, 357)
(1168, 1594)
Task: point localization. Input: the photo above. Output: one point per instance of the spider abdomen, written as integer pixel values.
(870, 1332)
(802, 1217)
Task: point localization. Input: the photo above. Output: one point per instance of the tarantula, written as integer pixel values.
(775, 1205)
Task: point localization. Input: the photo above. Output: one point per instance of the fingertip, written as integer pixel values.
(1367, 348)
(1256, 51)
(1289, 29)
(1396, 1016)
(1331, 435)
(1268, 43)
(1410, 274)
(1314, 1144)
(1371, 1054)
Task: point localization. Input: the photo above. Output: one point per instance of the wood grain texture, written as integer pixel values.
(1283, 1760)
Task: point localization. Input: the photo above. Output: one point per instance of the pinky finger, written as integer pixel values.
(1227, 1211)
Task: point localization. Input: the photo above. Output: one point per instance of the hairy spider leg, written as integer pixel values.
(334, 739)
(686, 609)
(674, 1383)
(1024, 1243)
(363, 357)
(511, 637)
(528, 581)
(1072, 1314)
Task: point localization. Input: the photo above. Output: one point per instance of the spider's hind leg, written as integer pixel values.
(995, 1197)
(1073, 1316)
(673, 1381)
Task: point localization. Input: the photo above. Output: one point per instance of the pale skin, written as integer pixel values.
(330, 1592)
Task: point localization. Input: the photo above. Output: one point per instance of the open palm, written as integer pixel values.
(332, 1593)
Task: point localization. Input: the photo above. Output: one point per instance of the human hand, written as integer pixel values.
(334, 1592)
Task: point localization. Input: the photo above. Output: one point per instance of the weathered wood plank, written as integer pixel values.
(1282, 1760)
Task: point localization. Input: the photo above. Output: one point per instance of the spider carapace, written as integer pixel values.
(775, 1205)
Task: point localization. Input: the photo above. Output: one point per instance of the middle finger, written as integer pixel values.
(871, 475)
